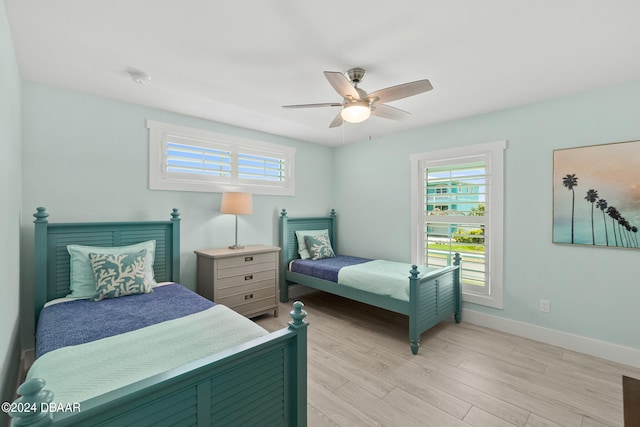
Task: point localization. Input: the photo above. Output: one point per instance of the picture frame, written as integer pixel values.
(596, 195)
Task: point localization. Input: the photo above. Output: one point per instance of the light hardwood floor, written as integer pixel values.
(361, 373)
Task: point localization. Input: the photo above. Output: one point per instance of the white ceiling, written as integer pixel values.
(238, 62)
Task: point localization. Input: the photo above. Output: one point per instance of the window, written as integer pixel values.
(457, 206)
(186, 159)
(441, 189)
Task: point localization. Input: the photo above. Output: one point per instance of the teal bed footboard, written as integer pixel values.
(261, 382)
(433, 296)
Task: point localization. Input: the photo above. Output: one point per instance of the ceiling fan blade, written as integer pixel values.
(389, 112)
(341, 84)
(401, 91)
(337, 121)
(326, 104)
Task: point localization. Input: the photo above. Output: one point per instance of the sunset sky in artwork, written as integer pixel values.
(613, 170)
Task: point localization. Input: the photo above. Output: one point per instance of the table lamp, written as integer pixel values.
(236, 203)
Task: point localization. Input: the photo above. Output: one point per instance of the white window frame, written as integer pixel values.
(493, 153)
(159, 179)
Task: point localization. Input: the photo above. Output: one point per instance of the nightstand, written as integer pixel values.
(245, 280)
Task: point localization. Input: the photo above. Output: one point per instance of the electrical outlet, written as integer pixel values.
(544, 305)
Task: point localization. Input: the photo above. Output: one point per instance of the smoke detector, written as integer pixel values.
(139, 77)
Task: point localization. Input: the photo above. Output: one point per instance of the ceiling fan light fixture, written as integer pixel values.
(356, 112)
(357, 105)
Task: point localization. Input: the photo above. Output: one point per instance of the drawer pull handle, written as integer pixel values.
(248, 296)
(249, 277)
(248, 259)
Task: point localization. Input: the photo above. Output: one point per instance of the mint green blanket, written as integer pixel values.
(79, 372)
(380, 277)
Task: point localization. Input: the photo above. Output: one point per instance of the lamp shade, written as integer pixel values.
(236, 203)
(356, 112)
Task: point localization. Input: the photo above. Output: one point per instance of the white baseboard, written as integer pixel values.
(613, 352)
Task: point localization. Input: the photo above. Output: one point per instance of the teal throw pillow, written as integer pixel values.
(82, 280)
(319, 246)
(118, 275)
(302, 245)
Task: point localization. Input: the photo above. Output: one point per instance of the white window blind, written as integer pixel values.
(194, 160)
(259, 167)
(190, 159)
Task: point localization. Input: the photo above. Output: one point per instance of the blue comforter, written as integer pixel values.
(327, 268)
(80, 321)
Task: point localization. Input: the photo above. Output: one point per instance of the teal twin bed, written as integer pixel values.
(426, 295)
(151, 352)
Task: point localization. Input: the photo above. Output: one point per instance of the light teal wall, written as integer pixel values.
(593, 292)
(86, 159)
(73, 165)
(10, 195)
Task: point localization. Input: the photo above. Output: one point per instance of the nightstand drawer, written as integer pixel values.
(246, 260)
(249, 286)
(243, 270)
(260, 294)
(246, 278)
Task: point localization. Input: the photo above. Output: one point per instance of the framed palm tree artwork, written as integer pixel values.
(596, 195)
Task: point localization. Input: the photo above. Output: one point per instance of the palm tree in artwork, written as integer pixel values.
(591, 197)
(570, 181)
(602, 205)
(614, 214)
(634, 229)
(627, 227)
(621, 222)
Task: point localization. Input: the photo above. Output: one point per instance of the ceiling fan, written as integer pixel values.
(357, 105)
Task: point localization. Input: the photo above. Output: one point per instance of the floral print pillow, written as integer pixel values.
(119, 274)
(319, 246)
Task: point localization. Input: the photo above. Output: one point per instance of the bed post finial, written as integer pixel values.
(414, 272)
(297, 314)
(33, 396)
(41, 215)
(283, 213)
(332, 213)
(175, 215)
(457, 258)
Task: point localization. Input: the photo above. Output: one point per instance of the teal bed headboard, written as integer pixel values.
(289, 226)
(52, 259)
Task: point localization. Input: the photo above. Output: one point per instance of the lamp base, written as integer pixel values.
(236, 247)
